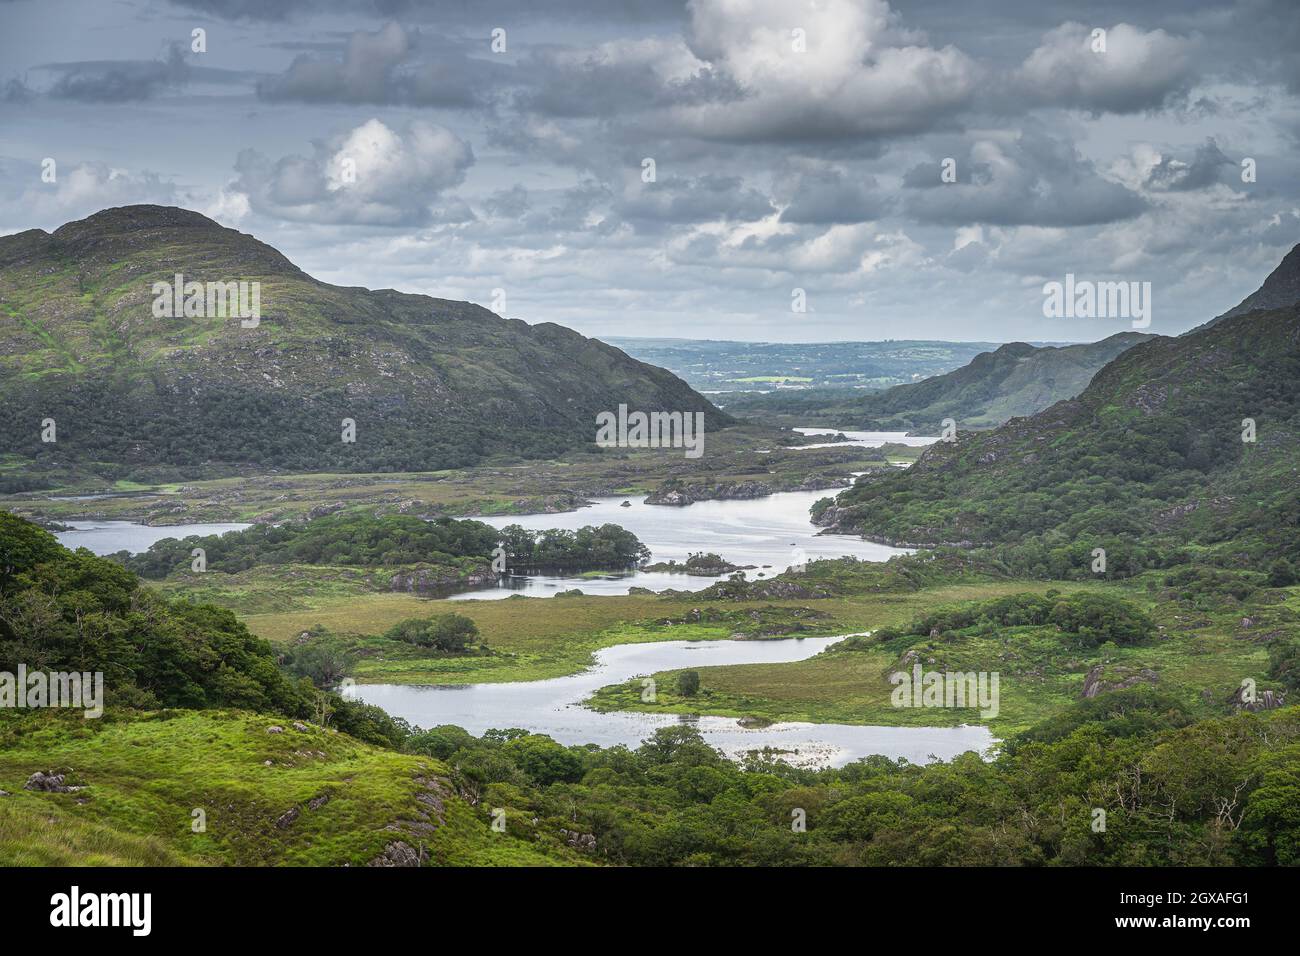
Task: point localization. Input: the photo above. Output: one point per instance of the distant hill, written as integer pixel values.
(1014, 379)
(738, 367)
(1280, 289)
(1151, 450)
(430, 383)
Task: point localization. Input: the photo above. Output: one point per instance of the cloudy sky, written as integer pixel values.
(454, 148)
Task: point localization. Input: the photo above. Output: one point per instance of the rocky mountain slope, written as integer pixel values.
(430, 383)
(1280, 289)
(1157, 448)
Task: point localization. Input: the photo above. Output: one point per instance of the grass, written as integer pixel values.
(539, 638)
(146, 775)
(532, 638)
(1200, 658)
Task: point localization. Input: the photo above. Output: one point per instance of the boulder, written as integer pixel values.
(48, 783)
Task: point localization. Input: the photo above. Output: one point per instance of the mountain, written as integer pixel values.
(743, 367)
(430, 383)
(1280, 289)
(1152, 449)
(1014, 379)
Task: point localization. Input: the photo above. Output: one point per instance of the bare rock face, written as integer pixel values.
(1121, 678)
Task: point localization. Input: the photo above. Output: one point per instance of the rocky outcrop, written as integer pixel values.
(400, 853)
(49, 783)
(1254, 701)
(586, 842)
(430, 578)
(1116, 678)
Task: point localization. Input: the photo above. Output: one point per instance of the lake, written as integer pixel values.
(554, 707)
(109, 537)
(772, 533)
(864, 439)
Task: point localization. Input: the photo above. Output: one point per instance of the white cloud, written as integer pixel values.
(77, 192)
(371, 175)
(1138, 69)
(857, 75)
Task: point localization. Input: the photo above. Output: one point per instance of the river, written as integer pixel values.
(773, 533)
(554, 707)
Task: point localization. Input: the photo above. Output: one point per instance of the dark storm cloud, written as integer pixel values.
(1271, 29)
(1032, 179)
(680, 199)
(117, 81)
(457, 11)
(508, 203)
(1205, 169)
(122, 81)
(574, 82)
(821, 194)
(775, 167)
(575, 209)
(389, 66)
(16, 91)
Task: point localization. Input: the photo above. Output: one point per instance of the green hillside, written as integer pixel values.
(1152, 449)
(430, 383)
(1014, 379)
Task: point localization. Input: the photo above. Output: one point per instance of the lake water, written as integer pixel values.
(773, 531)
(864, 439)
(109, 537)
(554, 707)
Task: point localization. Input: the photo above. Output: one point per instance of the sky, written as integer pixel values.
(765, 170)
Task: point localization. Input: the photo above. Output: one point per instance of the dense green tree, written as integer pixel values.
(450, 632)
